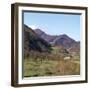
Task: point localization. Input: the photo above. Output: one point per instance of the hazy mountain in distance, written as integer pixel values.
(64, 41)
(48, 38)
(60, 40)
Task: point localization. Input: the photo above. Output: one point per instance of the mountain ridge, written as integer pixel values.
(33, 42)
(38, 40)
(56, 40)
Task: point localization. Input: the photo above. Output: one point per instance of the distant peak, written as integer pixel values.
(38, 31)
(33, 27)
(64, 35)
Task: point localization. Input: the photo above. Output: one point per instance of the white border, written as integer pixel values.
(54, 78)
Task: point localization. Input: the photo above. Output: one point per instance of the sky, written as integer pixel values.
(54, 24)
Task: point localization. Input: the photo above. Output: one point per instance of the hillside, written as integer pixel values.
(60, 40)
(32, 41)
(38, 40)
(48, 38)
(50, 55)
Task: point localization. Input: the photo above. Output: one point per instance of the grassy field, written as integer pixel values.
(50, 65)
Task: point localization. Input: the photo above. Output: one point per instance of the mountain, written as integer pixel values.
(75, 48)
(58, 40)
(63, 40)
(48, 38)
(32, 41)
(38, 40)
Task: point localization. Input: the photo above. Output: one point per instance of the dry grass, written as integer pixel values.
(50, 67)
(50, 64)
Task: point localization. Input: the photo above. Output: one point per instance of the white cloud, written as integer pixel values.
(33, 26)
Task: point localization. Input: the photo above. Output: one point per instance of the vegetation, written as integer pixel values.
(46, 64)
(46, 55)
(50, 68)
